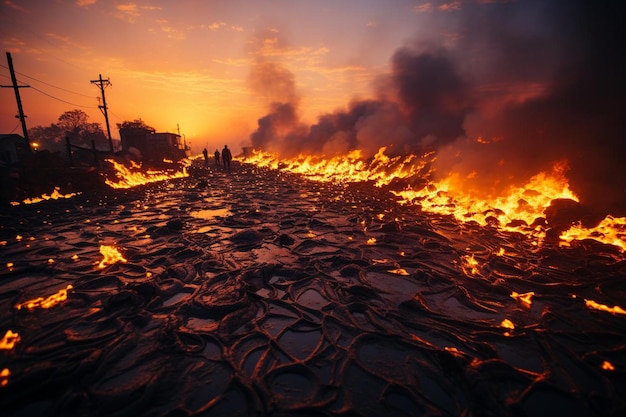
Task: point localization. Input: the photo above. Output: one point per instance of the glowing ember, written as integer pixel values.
(4, 377)
(111, 256)
(603, 307)
(507, 324)
(611, 230)
(470, 266)
(48, 302)
(55, 195)
(608, 366)
(134, 176)
(399, 271)
(525, 299)
(9, 340)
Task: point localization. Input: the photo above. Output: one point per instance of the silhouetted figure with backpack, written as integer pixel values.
(217, 157)
(226, 157)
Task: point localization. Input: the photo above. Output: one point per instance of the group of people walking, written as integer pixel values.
(226, 157)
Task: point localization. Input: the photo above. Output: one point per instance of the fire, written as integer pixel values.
(55, 195)
(608, 366)
(47, 302)
(515, 211)
(111, 256)
(345, 168)
(134, 176)
(520, 209)
(603, 307)
(9, 340)
(611, 230)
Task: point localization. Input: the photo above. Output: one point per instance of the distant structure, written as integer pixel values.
(153, 147)
(13, 149)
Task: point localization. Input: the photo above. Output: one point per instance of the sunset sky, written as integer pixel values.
(188, 62)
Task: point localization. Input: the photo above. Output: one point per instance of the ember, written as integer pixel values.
(9, 340)
(55, 195)
(47, 302)
(603, 307)
(111, 256)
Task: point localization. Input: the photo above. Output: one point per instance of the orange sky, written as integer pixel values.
(186, 63)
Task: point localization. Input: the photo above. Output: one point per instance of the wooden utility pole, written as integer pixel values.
(103, 107)
(16, 88)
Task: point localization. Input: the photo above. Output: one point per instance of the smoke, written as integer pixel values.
(525, 85)
(421, 104)
(577, 116)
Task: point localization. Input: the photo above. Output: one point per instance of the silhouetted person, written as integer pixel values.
(206, 157)
(226, 157)
(217, 157)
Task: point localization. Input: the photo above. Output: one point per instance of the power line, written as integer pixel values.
(48, 84)
(60, 99)
(15, 128)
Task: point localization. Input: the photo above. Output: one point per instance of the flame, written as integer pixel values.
(602, 307)
(135, 176)
(608, 366)
(47, 302)
(9, 340)
(111, 256)
(346, 168)
(519, 209)
(55, 195)
(525, 298)
(611, 230)
(515, 211)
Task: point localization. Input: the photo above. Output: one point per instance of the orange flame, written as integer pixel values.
(9, 340)
(47, 302)
(611, 230)
(133, 176)
(608, 366)
(55, 195)
(111, 256)
(516, 210)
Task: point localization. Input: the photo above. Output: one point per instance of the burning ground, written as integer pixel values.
(260, 292)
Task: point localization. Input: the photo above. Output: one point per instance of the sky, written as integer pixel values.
(187, 63)
(500, 89)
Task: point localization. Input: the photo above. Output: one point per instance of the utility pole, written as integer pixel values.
(103, 107)
(16, 88)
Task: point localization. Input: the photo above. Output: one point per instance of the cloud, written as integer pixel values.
(85, 3)
(14, 6)
(129, 12)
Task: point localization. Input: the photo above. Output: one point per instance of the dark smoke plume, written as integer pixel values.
(527, 84)
(423, 105)
(580, 117)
